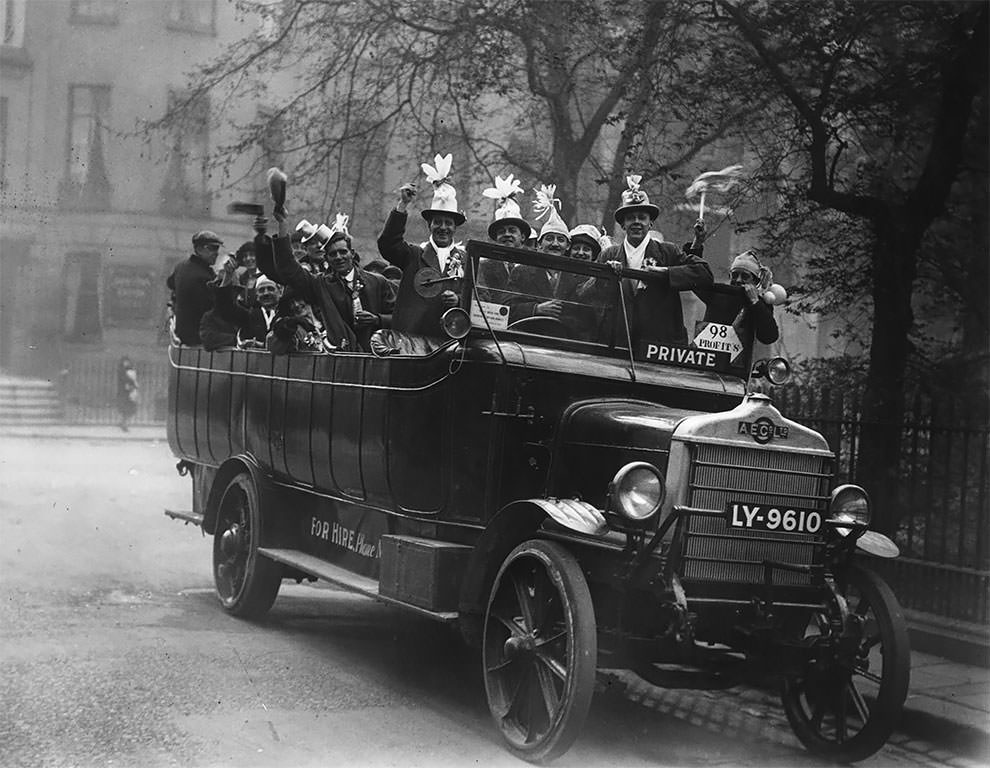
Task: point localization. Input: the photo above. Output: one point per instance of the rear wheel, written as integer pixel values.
(540, 650)
(850, 697)
(246, 582)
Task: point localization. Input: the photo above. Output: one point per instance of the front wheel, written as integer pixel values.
(848, 700)
(246, 582)
(540, 650)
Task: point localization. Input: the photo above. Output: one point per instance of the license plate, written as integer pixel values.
(767, 517)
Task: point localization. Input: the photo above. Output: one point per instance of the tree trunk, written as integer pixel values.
(894, 267)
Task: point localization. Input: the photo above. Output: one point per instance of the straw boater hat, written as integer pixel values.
(264, 280)
(507, 211)
(546, 205)
(320, 235)
(444, 194)
(635, 199)
(587, 233)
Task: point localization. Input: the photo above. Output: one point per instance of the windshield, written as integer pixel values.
(588, 306)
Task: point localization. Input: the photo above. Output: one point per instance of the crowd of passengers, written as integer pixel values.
(307, 289)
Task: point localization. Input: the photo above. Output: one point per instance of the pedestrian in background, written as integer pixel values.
(128, 391)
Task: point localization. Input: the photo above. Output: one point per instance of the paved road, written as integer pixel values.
(114, 652)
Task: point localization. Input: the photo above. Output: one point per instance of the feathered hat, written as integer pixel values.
(339, 226)
(444, 194)
(507, 210)
(635, 199)
(546, 205)
(589, 234)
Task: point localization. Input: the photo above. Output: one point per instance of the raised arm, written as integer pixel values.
(686, 270)
(391, 242)
(291, 274)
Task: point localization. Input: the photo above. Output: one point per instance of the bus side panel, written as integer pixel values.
(278, 406)
(475, 437)
(186, 401)
(239, 365)
(180, 397)
(374, 459)
(257, 401)
(218, 413)
(415, 446)
(299, 416)
(203, 407)
(321, 426)
(345, 438)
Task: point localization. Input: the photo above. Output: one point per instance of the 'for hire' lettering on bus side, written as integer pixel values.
(351, 540)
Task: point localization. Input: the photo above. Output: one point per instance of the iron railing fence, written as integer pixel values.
(943, 527)
(88, 388)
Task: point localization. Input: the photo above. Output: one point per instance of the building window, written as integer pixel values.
(192, 15)
(12, 22)
(186, 189)
(86, 183)
(95, 11)
(81, 298)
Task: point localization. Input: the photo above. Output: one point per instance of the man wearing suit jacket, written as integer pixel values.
(363, 300)
(415, 313)
(252, 324)
(654, 309)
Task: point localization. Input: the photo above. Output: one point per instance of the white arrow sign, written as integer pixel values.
(717, 337)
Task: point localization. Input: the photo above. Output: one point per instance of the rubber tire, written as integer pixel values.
(883, 714)
(246, 582)
(564, 667)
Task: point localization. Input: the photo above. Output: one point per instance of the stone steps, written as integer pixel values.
(29, 401)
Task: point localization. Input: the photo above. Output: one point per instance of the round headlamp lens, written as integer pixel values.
(637, 491)
(849, 504)
(778, 370)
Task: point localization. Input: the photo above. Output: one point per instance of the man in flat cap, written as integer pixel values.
(192, 297)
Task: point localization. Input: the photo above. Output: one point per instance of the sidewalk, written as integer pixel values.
(948, 703)
(84, 431)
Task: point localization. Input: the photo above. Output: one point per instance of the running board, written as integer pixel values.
(334, 574)
(185, 515)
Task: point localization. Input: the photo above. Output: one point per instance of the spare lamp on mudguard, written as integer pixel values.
(777, 370)
(849, 510)
(636, 493)
(456, 323)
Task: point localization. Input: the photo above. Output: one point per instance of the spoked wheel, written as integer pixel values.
(246, 582)
(849, 699)
(540, 650)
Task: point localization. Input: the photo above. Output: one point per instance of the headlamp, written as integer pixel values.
(849, 509)
(776, 369)
(636, 492)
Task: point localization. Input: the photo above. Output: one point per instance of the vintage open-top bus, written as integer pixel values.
(565, 495)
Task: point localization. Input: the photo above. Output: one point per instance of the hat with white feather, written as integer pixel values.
(546, 205)
(444, 194)
(635, 199)
(507, 209)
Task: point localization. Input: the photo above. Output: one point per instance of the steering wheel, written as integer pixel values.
(542, 325)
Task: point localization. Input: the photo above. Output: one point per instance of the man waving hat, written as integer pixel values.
(415, 313)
